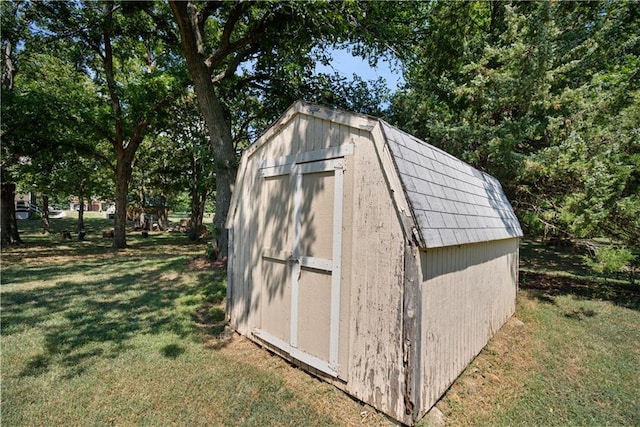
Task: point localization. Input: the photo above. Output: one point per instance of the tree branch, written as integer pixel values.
(232, 20)
(238, 59)
(111, 84)
(136, 138)
(227, 47)
(206, 11)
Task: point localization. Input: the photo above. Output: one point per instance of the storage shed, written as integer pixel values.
(368, 257)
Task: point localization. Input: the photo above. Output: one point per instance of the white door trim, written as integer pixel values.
(314, 362)
(336, 273)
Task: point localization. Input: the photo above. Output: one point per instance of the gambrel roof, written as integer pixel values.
(452, 203)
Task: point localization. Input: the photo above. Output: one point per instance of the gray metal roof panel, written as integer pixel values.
(452, 202)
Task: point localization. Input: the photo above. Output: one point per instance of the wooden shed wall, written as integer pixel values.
(372, 253)
(376, 373)
(468, 293)
(300, 134)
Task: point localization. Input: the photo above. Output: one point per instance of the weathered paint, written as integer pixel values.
(412, 343)
(376, 371)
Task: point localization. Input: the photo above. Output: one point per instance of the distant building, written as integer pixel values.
(94, 204)
(25, 205)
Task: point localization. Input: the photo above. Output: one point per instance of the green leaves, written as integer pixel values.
(609, 260)
(543, 95)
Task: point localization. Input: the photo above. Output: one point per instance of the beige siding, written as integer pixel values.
(468, 292)
(347, 272)
(304, 133)
(244, 258)
(376, 371)
(249, 224)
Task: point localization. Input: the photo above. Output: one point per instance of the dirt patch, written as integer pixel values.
(202, 263)
(211, 321)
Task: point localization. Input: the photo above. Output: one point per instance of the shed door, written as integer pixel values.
(302, 228)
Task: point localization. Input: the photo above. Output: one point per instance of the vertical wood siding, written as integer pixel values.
(244, 258)
(468, 292)
(300, 134)
(376, 372)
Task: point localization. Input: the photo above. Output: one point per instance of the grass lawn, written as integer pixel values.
(135, 337)
(94, 337)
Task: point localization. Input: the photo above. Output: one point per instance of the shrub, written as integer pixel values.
(609, 260)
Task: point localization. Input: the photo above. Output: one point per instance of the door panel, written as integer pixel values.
(277, 238)
(314, 308)
(301, 261)
(316, 219)
(276, 294)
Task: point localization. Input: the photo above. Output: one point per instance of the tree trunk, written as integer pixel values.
(162, 213)
(197, 213)
(224, 155)
(225, 178)
(46, 229)
(80, 226)
(124, 153)
(123, 175)
(217, 125)
(197, 202)
(8, 222)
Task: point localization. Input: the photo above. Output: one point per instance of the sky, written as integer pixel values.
(347, 65)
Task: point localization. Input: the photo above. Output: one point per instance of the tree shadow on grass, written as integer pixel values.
(39, 246)
(82, 321)
(172, 351)
(536, 256)
(546, 287)
(93, 248)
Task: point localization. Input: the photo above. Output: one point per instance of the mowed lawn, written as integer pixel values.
(136, 337)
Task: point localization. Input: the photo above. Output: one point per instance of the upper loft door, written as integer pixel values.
(301, 261)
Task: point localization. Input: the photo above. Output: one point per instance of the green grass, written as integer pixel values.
(136, 337)
(573, 362)
(96, 337)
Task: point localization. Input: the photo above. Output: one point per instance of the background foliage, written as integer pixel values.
(543, 95)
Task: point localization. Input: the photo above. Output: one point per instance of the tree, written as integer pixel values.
(14, 27)
(585, 182)
(542, 95)
(121, 46)
(277, 38)
(51, 112)
(197, 161)
(177, 159)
